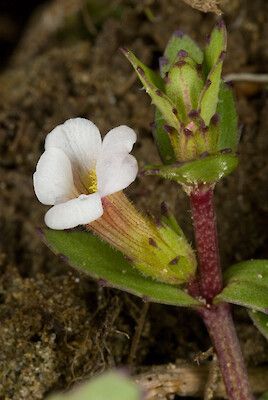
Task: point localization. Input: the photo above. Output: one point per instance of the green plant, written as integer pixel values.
(196, 134)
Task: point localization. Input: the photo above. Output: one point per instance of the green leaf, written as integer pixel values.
(206, 170)
(247, 285)
(154, 86)
(183, 87)
(178, 42)
(228, 121)
(110, 385)
(96, 258)
(216, 46)
(260, 320)
(209, 96)
(162, 140)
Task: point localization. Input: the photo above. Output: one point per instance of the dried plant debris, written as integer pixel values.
(205, 5)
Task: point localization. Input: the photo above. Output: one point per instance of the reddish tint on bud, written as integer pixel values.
(166, 78)
(180, 63)
(124, 50)
(215, 119)
(187, 132)
(204, 155)
(162, 61)
(168, 128)
(174, 261)
(140, 71)
(204, 129)
(152, 242)
(222, 55)
(194, 114)
(226, 151)
(183, 53)
(164, 208)
(220, 24)
(179, 33)
(207, 38)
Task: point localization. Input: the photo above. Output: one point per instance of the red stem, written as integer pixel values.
(204, 220)
(220, 325)
(208, 284)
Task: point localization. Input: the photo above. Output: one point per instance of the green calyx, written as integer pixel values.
(166, 256)
(195, 109)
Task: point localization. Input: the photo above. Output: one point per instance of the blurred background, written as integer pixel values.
(14, 15)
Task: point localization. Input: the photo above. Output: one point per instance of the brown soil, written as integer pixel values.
(58, 327)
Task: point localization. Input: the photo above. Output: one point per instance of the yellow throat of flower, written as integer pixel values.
(90, 181)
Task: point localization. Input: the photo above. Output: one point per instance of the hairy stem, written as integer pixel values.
(206, 238)
(219, 322)
(217, 318)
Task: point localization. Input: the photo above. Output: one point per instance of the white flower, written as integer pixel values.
(77, 169)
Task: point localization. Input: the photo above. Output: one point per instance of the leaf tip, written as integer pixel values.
(178, 33)
(163, 61)
(220, 24)
(124, 50)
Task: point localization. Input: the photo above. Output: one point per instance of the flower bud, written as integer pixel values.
(191, 98)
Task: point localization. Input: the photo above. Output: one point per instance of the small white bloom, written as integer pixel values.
(77, 169)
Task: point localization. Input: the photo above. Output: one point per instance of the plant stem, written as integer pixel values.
(219, 322)
(217, 318)
(206, 238)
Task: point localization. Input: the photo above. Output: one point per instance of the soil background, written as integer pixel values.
(62, 60)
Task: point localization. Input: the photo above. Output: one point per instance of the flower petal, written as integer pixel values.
(119, 139)
(115, 172)
(53, 179)
(116, 169)
(80, 140)
(82, 210)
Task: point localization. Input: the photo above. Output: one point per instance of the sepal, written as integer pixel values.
(178, 45)
(227, 137)
(216, 46)
(162, 139)
(154, 86)
(184, 86)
